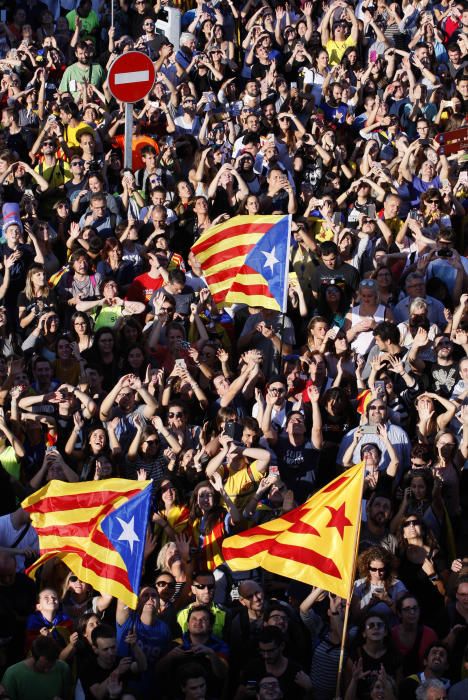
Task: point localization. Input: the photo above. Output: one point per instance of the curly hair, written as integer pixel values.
(376, 554)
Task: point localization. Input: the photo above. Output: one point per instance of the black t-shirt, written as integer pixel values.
(442, 379)
(345, 276)
(256, 670)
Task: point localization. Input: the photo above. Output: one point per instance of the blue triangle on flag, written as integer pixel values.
(270, 258)
(125, 528)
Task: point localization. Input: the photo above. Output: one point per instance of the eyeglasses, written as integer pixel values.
(376, 569)
(410, 608)
(165, 584)
(175, 415)
(374, 625)
(202, 586)
(277, 390)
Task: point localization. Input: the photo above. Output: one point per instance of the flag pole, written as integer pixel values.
(284, 306)
(350, 593)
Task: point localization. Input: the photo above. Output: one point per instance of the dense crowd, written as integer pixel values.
(115, 361)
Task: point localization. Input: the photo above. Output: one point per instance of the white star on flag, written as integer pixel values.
(270, 259)
(128, 533)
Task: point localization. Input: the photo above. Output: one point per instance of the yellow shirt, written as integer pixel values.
(70, 133)
(336, 49)
(240, 486)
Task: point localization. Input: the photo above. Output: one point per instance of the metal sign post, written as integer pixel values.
(128, 135)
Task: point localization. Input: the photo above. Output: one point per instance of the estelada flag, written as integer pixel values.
(97, 528)
(315, 543)
(246, 260)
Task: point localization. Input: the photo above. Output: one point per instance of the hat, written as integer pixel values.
(11, 215)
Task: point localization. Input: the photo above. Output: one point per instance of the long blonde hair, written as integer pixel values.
(28, 288)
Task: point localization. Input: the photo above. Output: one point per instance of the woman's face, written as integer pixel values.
(319, 330)
(77, 586)
(172, 556)
(205, 498)
(384, 278)
(52, 324)
(371, 457)
(352, 57)
(367, 296)
(176, 417)
(97, 440)
(91, 624)
(341, 344)
(38, 279)
(418, 488)
(184, 190)
(252, 205)
(135, 358)
(411, 528)
(322, 59)
(168, 493)
(80, 326)
(55, 471)
(377, 572)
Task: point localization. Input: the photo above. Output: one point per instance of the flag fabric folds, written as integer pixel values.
(315, 543)
(97, 528)
(246, 260)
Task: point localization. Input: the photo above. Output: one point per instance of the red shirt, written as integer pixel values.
(143, 286)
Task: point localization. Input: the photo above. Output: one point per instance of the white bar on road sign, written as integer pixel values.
(136, 76)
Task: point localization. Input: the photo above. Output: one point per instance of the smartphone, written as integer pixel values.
(369, 430)
(371, 211)
(424, 142)
(233, 430)
(181, 363)
(337, 218)
(293, 86)
(72, 85)
(380, 387)
(273, 470)
(464, 176)
(445, 183)
(414, 214)
(372, 56)
(3, 15)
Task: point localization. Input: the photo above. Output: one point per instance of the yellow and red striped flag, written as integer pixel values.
(315, 543)
(97, 528)
(246, 260)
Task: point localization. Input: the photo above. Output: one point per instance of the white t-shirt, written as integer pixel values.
(8, 536)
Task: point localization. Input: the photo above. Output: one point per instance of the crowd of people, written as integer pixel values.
(116, 362)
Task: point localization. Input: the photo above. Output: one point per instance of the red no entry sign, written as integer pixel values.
(131, 76)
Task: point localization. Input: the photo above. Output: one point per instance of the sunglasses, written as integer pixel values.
(378, 569)
(408, 523)
(165, 584)
(374, 625)
(368, 283)
(202, 586)
(77, 162)
(73, 579)
(175, 415)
